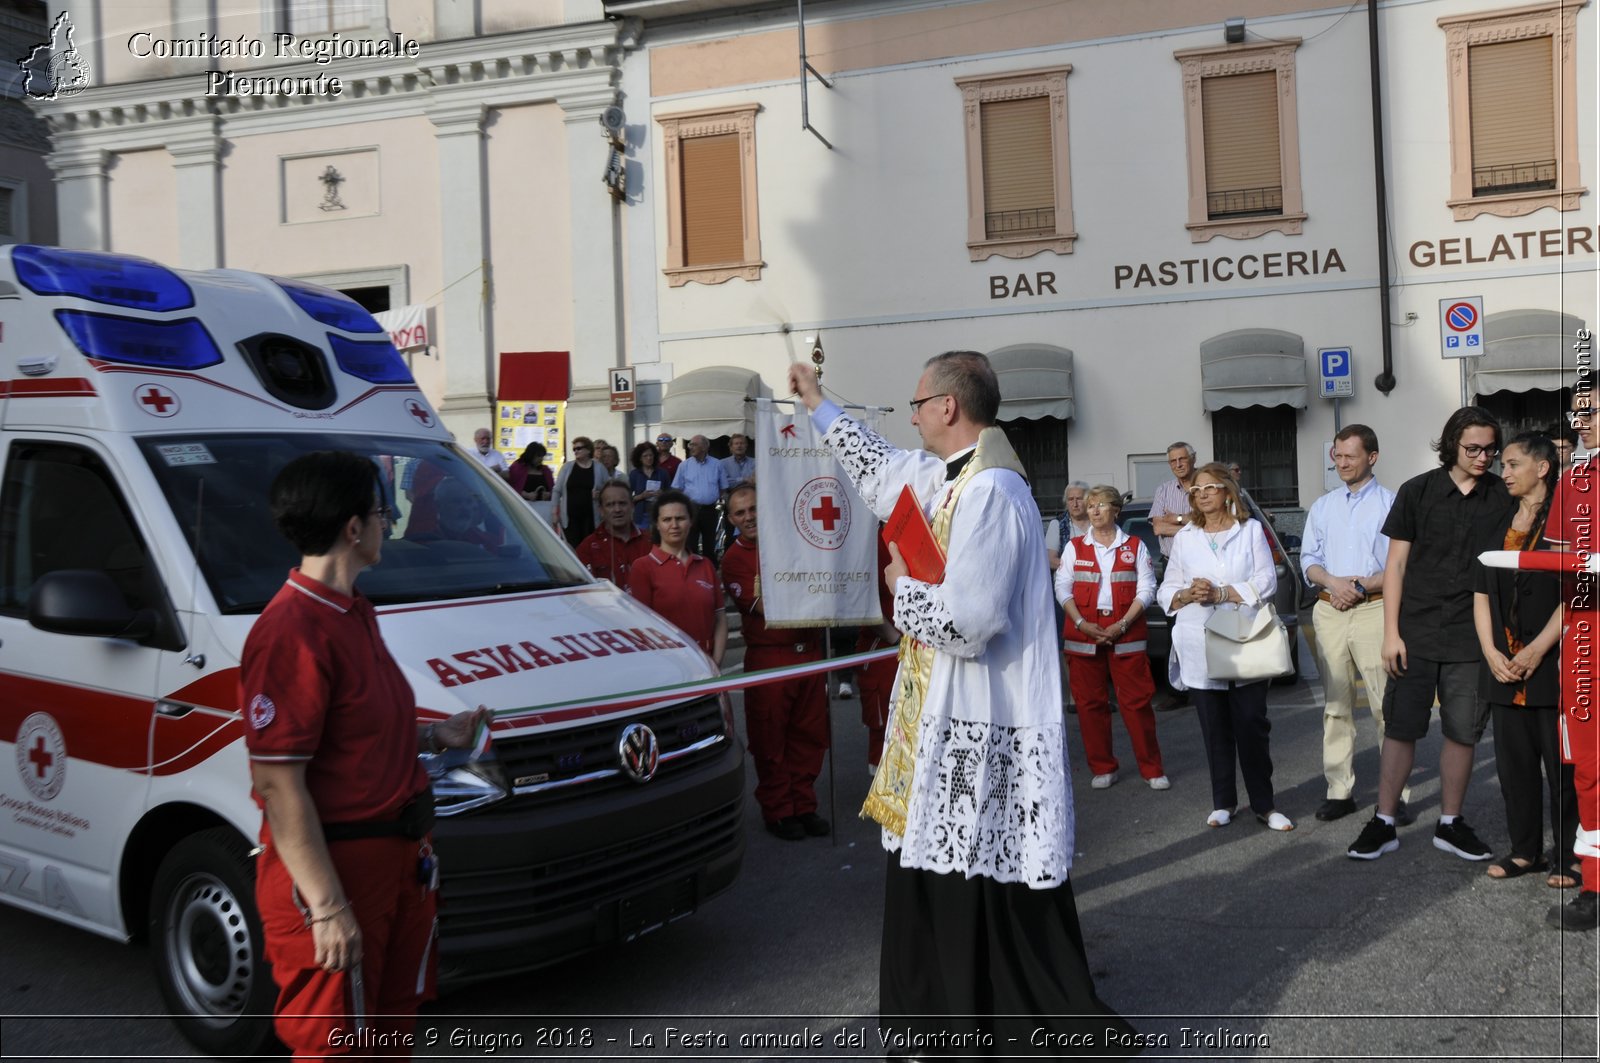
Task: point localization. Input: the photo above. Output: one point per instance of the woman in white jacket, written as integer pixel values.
(1221, 560)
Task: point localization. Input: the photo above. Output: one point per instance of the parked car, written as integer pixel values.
(1292, 589)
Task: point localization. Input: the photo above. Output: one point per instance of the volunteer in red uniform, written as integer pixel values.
(1106, 582)
(877, 679)
(1578, 496)
(346, 876)
(614, 547)
(681, 586)
(787, 722)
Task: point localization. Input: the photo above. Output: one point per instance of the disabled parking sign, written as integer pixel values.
(1461, 326)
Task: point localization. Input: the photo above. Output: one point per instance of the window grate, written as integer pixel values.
(1263, 441)
(1042, 447)
(1514, 177)
(1244, 202)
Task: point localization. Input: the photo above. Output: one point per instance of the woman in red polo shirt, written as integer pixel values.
(683, 587)
(345, 879)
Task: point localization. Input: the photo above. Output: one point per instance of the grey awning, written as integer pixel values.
(1035, 381)
(1525, 350)
(710, 402)
(1253, 367)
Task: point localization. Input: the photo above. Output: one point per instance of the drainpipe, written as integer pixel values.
(1385, 381)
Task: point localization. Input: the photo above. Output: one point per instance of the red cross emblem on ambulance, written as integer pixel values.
(420, 412)
(156, 400)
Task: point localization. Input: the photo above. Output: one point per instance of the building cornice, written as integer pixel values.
(574, 65)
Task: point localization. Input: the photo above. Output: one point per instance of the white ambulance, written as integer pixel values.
(143, 415)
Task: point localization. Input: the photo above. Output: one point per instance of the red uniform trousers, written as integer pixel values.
(318, 1013)
(787, 725)
(875, 685)
(1580, 734)
(1090, 679)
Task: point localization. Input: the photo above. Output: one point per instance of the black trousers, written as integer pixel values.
(968, 965)
(702, 532)
(1525, 740)
(1234, 724)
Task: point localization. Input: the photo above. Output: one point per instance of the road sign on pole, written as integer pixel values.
(1461, 327)
(1338, 382)
(623, 398)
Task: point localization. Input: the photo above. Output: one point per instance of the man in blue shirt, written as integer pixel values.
(1343, 554)
(704, 480)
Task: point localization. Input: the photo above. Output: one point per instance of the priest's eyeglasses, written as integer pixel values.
(916, 404)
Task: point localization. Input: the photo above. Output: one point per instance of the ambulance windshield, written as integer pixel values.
(454, 534)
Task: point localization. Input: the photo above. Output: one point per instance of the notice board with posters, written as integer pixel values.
(531, 403)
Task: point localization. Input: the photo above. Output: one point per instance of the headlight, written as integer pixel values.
(460, 784)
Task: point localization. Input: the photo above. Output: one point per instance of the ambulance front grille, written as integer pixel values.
(554, 766)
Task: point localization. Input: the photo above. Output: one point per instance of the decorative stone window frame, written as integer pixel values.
(675, 128)
(1017, 85)
(1201, 63)
(1557, 20)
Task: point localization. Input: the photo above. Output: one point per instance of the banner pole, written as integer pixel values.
(830, 685)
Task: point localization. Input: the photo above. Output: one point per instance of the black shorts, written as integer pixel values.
(1408, 701)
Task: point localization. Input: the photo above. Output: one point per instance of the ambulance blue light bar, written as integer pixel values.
(375, 361)
(183, 344)
(329, 308)
(116, 280)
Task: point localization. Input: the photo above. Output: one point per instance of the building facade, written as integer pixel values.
(1153, 217)
(1161, 220)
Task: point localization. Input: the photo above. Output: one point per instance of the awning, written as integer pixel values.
(1253, 367)
(710, 402)
(1524, 350)
(1035, 381)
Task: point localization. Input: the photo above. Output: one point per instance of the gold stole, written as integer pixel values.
(891, 787)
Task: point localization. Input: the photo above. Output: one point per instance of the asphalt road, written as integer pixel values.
(1230, 942)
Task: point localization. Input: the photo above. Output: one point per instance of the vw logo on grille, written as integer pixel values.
(639, 752)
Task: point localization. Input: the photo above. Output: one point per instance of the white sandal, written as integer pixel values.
(1220, 818)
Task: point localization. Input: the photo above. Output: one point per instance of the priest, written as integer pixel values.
(981, 942)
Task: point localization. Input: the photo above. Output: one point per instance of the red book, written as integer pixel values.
(907, 529)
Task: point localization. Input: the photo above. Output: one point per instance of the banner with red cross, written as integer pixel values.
(819, 547)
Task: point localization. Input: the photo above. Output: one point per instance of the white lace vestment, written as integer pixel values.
(990, 795)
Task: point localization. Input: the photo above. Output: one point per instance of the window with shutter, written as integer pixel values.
(1513, 110)
(1243, 137)
(1019, 188)
(1244, 174)
(8, 229)
(713, 232)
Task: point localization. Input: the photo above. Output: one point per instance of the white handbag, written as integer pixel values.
(1246, 645)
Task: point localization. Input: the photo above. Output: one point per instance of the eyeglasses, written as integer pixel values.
(1102, 505)
(1206, 489)
(1582, 416)
(1473, 450)
(916, 404)
(583, 450)
(383, 513)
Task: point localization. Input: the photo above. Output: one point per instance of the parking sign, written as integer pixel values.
(1338, 381)
(1461, 326)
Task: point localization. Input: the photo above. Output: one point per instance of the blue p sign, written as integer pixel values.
(1335, 362)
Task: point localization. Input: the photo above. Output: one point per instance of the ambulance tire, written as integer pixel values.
(209, 952)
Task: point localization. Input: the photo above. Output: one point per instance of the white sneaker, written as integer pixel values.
(1160, 782)
(846, 690)
(1220, 818)
(1103, 782)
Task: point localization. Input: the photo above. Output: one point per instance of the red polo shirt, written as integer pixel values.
(741, 574)
(688, 593)
(608, 557)
(317, 685)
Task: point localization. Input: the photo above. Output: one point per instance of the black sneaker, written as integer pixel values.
(1458, 838)
(1582, 914)
(1377, 838)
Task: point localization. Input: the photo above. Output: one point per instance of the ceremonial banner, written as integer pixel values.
(819, 541)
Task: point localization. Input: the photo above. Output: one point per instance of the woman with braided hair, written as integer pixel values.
(1518, 618)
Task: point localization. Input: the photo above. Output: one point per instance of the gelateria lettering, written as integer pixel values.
(1508, 247)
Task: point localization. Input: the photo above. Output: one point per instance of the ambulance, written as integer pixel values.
(144, 412)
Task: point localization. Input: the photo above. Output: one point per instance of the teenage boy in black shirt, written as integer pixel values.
(1436, 528)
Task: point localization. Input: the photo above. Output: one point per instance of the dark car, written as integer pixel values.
(1291, 591)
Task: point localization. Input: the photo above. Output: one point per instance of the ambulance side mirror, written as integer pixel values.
(86, 602)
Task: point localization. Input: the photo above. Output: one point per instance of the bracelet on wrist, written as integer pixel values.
(310, 921)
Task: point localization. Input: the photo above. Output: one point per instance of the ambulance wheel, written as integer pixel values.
(209, 952)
